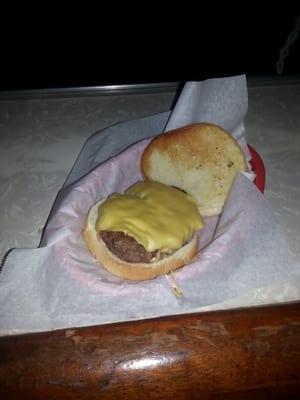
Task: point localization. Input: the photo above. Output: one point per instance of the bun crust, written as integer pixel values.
(201, 159)
(133, 271)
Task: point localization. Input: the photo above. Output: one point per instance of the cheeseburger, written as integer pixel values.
(149, 230)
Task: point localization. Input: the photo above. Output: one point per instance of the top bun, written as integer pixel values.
(202, 159)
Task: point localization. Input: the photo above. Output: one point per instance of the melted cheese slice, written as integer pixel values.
(158, 216)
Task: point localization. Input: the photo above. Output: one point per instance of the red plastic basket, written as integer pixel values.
(259, 169)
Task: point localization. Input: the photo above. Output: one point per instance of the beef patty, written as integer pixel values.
(126, 247)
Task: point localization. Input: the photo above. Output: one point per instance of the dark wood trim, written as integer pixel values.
(238, 354)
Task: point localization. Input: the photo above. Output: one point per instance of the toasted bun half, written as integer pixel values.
(133, 271)
(201, 159)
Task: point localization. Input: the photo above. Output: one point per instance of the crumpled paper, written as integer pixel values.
(243, 260)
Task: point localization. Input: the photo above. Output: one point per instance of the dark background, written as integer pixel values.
(191, 44)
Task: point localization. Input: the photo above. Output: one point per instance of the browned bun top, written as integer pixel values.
(202, 159)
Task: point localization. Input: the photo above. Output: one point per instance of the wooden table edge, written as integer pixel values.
(238, 353)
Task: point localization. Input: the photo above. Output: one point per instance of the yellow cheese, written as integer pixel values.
(158, 216)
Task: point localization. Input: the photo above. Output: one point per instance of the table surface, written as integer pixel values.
(229, 354)
(42, 136)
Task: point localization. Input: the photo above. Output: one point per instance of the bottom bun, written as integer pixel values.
(134, 271)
